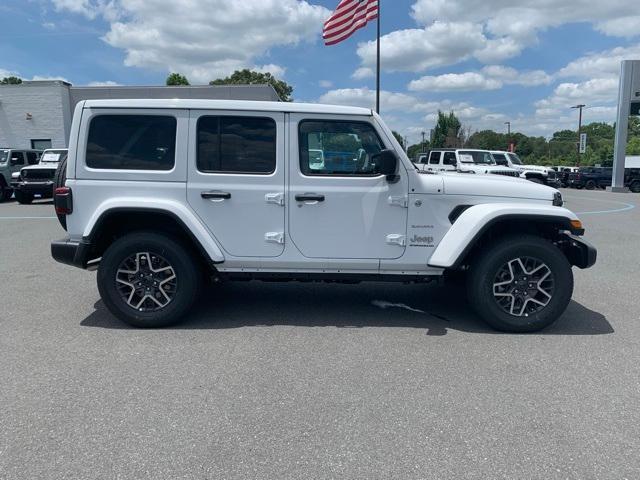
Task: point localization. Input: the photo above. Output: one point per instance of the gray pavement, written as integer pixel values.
(293, 381)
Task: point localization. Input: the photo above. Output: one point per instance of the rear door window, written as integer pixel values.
(236, 145)
(131, 142)
(434, 158)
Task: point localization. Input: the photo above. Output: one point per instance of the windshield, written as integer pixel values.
(514, 159)
(4, 154)
(52, 156)
(476, 156)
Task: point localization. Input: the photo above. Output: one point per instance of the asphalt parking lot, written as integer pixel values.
(292, 381)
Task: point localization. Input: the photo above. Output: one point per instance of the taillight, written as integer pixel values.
(63, 200)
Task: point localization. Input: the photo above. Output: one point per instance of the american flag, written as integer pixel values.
(349, 16)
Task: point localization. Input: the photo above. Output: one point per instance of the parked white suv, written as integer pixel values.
(463, 161)
(161, 194)
(535, 173)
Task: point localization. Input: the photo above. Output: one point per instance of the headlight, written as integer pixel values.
(557, 199)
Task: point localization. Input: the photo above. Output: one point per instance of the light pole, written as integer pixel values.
(579, 107)
(508, 124)
(422, 146)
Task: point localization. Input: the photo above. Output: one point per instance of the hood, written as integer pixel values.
(41, 166)
(534, 168)
(496, 186)
(476, 167)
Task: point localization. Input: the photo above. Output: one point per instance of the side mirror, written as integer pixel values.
(387, 162)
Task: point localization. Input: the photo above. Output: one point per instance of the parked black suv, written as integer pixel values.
(601, 177)
(591, 177)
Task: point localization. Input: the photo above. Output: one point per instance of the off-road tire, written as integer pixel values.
(590, 185)
(483, 272)
(5, 192)
(58, 181)
(23, 198)
(635, 186)
(177, 256)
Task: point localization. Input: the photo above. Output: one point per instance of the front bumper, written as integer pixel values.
(43, 188)
(69, 252)
(579, 252)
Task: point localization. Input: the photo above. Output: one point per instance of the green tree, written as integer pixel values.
(414, 150)
(398, 138)
(11, 81)
(448, 131)
(176, 79)
(249, 77)
(633, 146)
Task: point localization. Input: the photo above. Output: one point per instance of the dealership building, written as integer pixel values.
(37, 114)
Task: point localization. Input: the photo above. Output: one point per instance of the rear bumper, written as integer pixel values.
(76, 254)
(579, 252)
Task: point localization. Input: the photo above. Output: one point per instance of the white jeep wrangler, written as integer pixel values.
(463, 161)
(161, 194)
(534, 173)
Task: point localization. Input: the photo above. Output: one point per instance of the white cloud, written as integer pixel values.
(106, 83)
(491, 77)
(50, 77)
(455, 81)
(362, 73)
(490, 31)
(8, 73)
(275, 70)
(594, 92)
(82, 7)
(417, 49)
(202, 39)
(600, 64)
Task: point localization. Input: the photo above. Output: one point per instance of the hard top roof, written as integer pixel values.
(241, 105)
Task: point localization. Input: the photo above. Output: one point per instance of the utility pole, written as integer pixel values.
(508, 124)
(579, 107)
(423, 134)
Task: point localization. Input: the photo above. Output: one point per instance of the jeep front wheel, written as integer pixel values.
(522, 284)
(148, 280)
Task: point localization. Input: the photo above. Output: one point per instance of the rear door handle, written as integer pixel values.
(309, 197)
(215, 194)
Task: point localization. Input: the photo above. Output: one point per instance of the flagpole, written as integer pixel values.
(378, 62)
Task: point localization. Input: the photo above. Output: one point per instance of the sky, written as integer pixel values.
(490, 61)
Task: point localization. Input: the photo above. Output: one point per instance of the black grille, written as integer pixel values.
(552, 174)
(43, 174)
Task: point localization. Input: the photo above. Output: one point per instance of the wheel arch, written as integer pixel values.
(113, 223)
(479, 225)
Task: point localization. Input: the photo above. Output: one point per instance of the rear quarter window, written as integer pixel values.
(131, 142)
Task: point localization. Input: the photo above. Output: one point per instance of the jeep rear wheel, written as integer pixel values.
(148, 280)
(522, 284)
(590, 185)
(635, 186)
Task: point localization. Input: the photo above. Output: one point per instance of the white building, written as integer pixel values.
(37, 114)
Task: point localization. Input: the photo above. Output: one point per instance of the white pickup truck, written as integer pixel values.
(162, 194)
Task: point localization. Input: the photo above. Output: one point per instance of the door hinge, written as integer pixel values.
(274, 237)
(396, 239)
(277, 198)
(402, 201)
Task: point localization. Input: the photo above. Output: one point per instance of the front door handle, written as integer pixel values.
(309, 197)
(215, 195)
